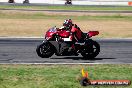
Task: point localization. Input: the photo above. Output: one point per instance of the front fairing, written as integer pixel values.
(49, 34)
(64, 33)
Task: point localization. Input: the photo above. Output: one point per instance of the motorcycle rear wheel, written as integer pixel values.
(91, 50)
(45, 50)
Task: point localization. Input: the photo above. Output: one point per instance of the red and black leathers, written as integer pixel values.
(77, 34)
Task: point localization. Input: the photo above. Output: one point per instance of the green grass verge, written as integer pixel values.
(68, 7)
(39, 15)
(59, 76)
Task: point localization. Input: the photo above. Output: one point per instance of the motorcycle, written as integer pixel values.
(68, 2)
(57, 42)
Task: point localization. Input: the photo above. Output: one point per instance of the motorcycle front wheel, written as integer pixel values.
(45, 50)
(90, 50)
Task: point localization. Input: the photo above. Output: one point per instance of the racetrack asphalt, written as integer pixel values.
(23, 50)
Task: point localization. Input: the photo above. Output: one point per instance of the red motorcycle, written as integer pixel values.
(57, 41)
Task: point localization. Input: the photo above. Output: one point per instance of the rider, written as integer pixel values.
(75, 33)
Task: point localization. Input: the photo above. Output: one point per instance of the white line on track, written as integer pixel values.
(58, 63)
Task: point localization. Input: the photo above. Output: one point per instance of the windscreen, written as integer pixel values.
(52, 29)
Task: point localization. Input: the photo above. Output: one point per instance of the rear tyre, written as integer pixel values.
(45, 50)
(90, 50)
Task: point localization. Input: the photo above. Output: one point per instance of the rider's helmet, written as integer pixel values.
(68, 23)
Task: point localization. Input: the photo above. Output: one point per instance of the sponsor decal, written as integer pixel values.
(85, 81)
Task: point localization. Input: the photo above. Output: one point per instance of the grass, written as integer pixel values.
(127, 8)
(37, 27)
(35, 24)
(59, 76)
(53, 15)
(45, 16)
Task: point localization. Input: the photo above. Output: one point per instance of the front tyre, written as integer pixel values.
(45, 50)
(90, 50)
